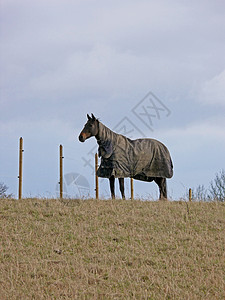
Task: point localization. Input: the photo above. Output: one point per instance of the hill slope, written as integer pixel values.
(111, 250)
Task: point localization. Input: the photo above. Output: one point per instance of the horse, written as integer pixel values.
(142, 159)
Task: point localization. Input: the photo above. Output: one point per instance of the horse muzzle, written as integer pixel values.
(82, 137)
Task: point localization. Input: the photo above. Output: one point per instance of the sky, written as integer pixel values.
(145, 68)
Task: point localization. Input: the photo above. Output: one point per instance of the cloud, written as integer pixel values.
(62, 59)
(80, 47)
(213, 90)
(197, 152)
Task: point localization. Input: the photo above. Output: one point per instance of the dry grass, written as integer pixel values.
(111, 250)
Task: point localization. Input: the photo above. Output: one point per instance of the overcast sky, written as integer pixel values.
(60, 60)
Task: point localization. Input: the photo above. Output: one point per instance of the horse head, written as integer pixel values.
(90, 128)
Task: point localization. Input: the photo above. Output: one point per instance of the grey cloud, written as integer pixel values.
(62, 59)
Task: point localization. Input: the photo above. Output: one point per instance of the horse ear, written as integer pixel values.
(89, 118)
(93, 117)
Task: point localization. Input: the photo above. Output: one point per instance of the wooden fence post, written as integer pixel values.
(20, 168)
(190, 194)
(96, 177)
(61, 170)
(132, 189)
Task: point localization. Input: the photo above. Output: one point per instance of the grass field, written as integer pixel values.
(88, 249)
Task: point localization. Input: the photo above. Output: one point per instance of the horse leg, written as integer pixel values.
(121, 182)
(112, 186)
(162, 187)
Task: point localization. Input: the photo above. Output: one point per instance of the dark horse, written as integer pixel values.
(141, 159)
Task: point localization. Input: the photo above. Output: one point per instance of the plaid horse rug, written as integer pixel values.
(140, 159)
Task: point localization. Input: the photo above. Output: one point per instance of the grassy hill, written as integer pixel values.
(88, 249)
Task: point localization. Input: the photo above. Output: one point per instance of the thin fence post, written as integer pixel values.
(132, 189)
(96, 177)
(20, 168)
(61, 170)
(190, 194)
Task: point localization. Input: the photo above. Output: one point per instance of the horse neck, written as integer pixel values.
(104, 133)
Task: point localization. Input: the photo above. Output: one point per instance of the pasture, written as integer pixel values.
(103, 249)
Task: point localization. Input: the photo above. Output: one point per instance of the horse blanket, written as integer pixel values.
(139, 159)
